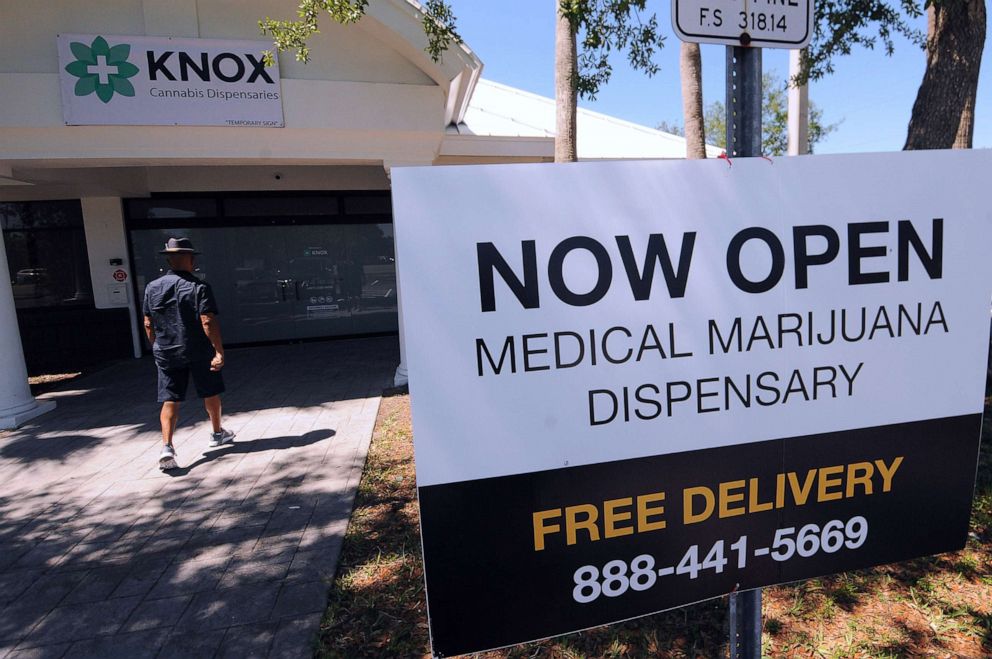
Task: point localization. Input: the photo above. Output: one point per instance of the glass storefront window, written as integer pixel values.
(282, 266)
(278, 283)
(368, 205)
(46, 254)
(280, 206)
(171, 208)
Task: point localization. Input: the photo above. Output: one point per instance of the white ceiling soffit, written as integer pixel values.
(7, 177)
(399, 23)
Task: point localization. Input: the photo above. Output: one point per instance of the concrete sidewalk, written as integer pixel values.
(102, 555)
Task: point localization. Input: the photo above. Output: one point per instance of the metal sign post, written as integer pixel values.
(744, 141)
(743, 101)
(745, 30)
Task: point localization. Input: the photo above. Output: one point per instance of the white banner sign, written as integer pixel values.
(539, 301)
(634, 384)
(135, 80)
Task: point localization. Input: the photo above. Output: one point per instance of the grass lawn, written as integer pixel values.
(935, 607)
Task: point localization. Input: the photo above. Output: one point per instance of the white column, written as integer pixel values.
(798, 110)
(401, 378)
(17, 405)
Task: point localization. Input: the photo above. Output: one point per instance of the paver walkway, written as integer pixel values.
(103, 555)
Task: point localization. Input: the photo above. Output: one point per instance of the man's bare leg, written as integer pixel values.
(169, 418)
(213, 406)
(219, 436)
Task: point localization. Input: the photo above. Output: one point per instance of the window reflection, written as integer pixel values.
(289, 282)
(46, 254)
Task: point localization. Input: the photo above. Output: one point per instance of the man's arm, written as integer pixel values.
(149, 330)
(211, 327)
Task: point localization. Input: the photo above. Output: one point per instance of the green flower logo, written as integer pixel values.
(102, 69)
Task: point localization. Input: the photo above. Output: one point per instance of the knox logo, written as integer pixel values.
(101, 69)
(138, 80)
(225, 67)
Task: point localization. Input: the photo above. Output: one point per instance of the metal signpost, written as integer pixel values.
(744, 141)
(744, 27)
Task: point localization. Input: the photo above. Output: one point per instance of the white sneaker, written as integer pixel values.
(221, 438)
(167, 458)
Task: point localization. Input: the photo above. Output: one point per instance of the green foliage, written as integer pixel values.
(672, 128)
(604, 27)
(608, 26)
(289, 35)
(774, 119)
(293, 35)
(840, 25)
(439, 26)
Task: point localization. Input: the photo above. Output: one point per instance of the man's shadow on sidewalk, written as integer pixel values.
(255, 446)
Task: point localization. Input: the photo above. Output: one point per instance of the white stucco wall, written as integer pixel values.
(28, 29)
(366, 100)
(346, 53)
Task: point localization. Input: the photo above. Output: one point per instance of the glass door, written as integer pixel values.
(341, 278)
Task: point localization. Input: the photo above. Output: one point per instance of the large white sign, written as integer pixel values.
(756, 23)
(513, 277)
(135, 80)
(635, 385)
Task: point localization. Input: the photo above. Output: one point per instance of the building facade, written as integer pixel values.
(125, 122)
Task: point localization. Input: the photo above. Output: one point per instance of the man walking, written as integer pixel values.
(181, 324)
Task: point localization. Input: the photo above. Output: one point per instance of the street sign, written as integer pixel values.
(638, 385)
(754, 23)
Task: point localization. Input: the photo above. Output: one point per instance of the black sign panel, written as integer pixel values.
(617, 540)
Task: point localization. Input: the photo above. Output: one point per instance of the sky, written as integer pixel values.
(870, 95)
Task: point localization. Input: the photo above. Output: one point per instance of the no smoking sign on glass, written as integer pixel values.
(757, 23)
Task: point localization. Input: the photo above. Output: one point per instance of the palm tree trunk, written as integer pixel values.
(691, 72)
(966, 128)
(566, 89)
(943, 115)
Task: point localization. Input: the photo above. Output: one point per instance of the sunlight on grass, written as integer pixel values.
(933, 606)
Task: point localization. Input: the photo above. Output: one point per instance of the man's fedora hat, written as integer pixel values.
(179, 246)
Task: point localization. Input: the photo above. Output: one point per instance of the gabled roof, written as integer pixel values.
(499, 111)
(399, 23)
